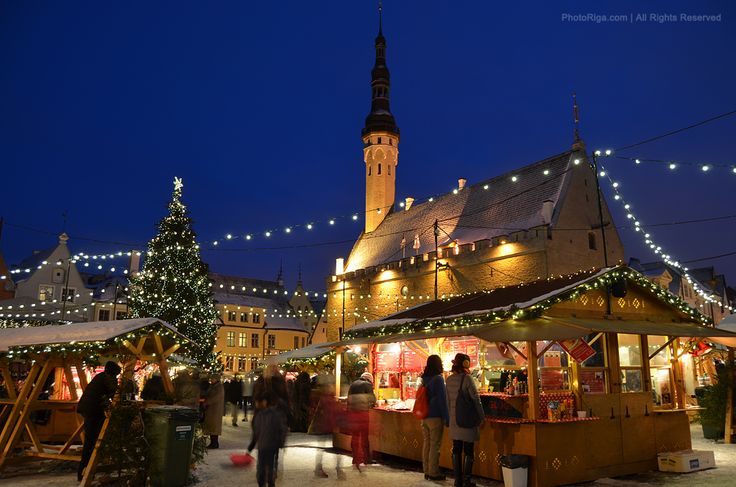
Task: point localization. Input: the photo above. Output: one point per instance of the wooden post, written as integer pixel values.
(679, 391)
(729, 397)
(8, 380)
(614, 365)
(338, 372)
(531, 351)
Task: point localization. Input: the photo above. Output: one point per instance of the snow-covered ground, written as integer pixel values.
(298, 468)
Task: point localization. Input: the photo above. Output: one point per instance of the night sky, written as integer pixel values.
(258, 106)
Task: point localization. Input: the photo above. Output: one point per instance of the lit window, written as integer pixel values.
(45, 292)
(231, 339)
(231, 315)
(243, 317)
(68, 294)
(271, 341)
(242, 339)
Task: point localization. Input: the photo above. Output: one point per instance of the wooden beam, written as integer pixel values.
(55, 456)
(512, 347)
(549, 345)
(677, 373)
(89, 472)
(70, 381)
(654, 354)
(595, 338)
(10, 422)
(31, 430)
(70, 441)
(171, 350)
(8, 381)
(162, 365)
(729, 396)
(82, 374)
(532, 377)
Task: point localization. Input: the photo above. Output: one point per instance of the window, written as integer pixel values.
(68, 294)
(58, 275)
(256, 317)
(253, 363)
(228, 363)
(231, 315)
(629, 356)
(103, 315)
(271, 341)
(231, 339)
(254, 340)
(303, 342)
(121, 315)
(594, 371)
(369, 170)
(379, 165)
(554, 367)
(660, 370)
(241, 365)
(296, 342)
(591, 241)
(389, 169)
(45, 292)
(242, 340)
(243, 317)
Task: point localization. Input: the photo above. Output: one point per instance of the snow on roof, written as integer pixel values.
(285, 323)
(93, 331)
(311, 351)
(498, 206)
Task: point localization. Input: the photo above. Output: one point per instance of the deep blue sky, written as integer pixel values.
(258, 106)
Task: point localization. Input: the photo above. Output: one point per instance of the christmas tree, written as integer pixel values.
(174, 285)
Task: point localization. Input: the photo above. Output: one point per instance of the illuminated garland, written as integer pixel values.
(672, 165)
(534, 311)
(649, 240)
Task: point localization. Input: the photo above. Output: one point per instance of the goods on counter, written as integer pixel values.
(559, 410)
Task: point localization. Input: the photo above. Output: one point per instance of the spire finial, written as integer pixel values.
(380, 17)
(576, 116)
(300, 273)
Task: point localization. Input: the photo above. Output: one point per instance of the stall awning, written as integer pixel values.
(311, 351)
(642, 327)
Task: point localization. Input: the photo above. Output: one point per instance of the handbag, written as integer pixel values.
(421, 404)
(466, 414)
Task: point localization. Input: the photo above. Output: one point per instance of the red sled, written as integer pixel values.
(241, 459)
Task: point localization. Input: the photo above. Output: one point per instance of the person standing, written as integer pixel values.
(233, 395)
(463, 439)
(214, 410)
(439, 417)
(246, 389)
(92, 405)
(360, 401)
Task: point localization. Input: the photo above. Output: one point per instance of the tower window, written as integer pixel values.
(389, 169)
(379, 141)
(591, 241)
(390, 141)
(369, 170)
(379, 166)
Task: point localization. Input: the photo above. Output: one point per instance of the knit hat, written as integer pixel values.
(367, 376)
(461, 360)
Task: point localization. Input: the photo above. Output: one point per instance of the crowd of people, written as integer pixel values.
(305, 404)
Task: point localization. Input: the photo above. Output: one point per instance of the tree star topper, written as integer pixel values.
(178, 184)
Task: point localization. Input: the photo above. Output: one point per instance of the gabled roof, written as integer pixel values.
(284, 323)
(32, 262)
(474, 213)
(265, 301)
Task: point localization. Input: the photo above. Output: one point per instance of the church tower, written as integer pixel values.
(380, 142)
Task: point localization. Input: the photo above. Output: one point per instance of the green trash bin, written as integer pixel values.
(170, 436)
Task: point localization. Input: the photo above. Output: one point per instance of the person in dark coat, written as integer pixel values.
(434, 424)
(360, 401)
(269, 434)
(153, 389)
(92, 405)
(463, 439)
(233, 396)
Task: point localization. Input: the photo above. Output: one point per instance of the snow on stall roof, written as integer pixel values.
(310, 351)
(92, 331)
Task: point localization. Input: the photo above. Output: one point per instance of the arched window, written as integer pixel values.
(389, 169)
(369, 170)
(591, 241)
(379, 168)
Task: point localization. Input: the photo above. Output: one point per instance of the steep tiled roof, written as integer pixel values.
(474, 213)
(267, 302)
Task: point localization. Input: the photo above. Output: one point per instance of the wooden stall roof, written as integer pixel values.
(493, 319)
(93, 331)
(312, 351)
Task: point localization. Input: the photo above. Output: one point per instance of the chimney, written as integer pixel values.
(548, 207)
(461, 183)
(134, 264)
(63, 238)
(339, 266)
(408, 201)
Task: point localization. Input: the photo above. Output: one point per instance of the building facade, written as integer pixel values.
(541, 220)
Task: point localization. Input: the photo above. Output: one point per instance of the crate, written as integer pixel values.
(686, 461)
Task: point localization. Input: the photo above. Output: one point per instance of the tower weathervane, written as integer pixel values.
(576, 116)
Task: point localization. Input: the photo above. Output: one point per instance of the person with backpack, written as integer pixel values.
(437, 417)
(466, 415)
(269, 435)
(360, 401)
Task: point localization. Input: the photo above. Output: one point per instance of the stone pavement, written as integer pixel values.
(297, 468)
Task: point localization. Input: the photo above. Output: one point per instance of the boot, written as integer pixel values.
(457, 467)
(214, 442)
(468, 470)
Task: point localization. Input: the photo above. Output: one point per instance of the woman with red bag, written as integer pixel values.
(437, 417)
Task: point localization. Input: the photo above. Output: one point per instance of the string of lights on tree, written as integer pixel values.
(597, 279)
(649, 239)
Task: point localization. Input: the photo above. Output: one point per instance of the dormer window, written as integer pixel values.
(58, 275)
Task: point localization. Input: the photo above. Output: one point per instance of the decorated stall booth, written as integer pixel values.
(45, 369)
(581, 373)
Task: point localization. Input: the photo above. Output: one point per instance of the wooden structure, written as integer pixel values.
(623, 431)
(48, 348)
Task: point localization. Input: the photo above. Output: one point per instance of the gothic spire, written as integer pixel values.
(380, 119)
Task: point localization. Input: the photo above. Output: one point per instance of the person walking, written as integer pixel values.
(92, 405)
(247, 392)
(323, 424)
(269, 434)
(214, 410)
(439, 417)
(360, 401)
(463, 439)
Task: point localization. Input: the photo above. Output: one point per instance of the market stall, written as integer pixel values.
(58, 356)
(581, 373)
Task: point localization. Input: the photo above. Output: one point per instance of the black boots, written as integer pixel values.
(468, 472)
(214, 442)
(457, 467)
